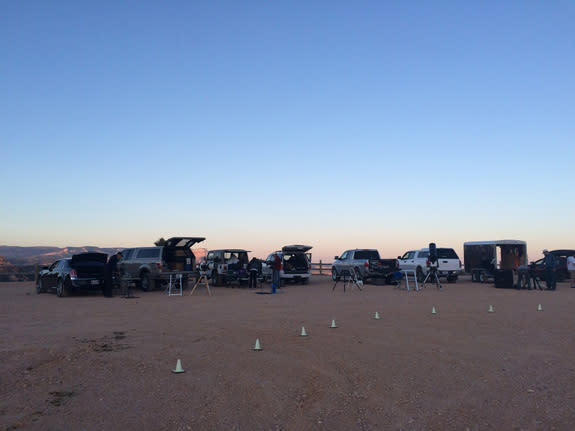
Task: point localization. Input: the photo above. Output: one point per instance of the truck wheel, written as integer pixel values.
(482, 277)
(474, 277)
(334, 275)
(145, 282)
(419, 274)
(62, 290)
(451, 278)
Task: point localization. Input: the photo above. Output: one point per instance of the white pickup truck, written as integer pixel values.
(448, 263)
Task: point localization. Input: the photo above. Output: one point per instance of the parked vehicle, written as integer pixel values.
(448, 263)
(226, 266)
(296, 264)
(483, 258)
(151, 266)
(367, 265)
(81, 271)
(561, 272)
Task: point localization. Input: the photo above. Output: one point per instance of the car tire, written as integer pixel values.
(334, 274)
(145, 281)
(481, 277)
(474, 277)
(61, 289)
(419, 274)
(39, 287)
(305, 281)
(451, 278)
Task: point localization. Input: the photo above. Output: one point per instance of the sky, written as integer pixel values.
(256, 124)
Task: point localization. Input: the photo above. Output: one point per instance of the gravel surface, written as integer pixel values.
(87, 362)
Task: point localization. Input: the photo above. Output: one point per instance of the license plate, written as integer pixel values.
(94, 282)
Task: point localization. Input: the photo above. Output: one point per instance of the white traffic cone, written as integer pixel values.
(179, 368)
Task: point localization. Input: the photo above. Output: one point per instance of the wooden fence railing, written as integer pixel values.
(321, 268)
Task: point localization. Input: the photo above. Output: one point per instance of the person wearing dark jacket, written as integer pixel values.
(255, 269)
(276, 268)
(111, 270)
(550, 265)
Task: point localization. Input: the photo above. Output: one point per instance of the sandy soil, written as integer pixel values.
(92, 363)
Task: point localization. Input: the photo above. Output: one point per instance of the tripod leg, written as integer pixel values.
(426, 278)
(437, 281)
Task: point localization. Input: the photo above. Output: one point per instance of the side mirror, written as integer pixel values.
(399, 257)
(336, 257)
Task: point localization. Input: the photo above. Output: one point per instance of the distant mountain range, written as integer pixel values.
(43, 255)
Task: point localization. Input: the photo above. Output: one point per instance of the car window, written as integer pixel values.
(408, 255)
(446, 253)
(54, 265)
(127, 254)
(148, 253)
(366, 254)
(423, 254)
(344, 255)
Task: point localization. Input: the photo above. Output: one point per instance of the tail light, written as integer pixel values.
(428, 263)
(460, 265)
(73, 275)
(159, 265)
(281, 266)
(366, 264)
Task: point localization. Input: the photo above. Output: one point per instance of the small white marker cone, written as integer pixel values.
(303, 333)
(333, 325)
(376, 316)
(257, 346)
(433, 310)
(179, 368)
(539, 308)
(491, 310)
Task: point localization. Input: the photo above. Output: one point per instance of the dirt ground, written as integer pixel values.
(87, 362)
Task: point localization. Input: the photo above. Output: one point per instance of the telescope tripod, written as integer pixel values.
(432, 274)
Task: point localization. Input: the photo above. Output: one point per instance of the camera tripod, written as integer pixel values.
(433, 275)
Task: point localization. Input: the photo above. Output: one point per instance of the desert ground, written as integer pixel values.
(87, 362)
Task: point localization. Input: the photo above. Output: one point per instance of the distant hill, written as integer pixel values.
(44, 255)
(12, 255)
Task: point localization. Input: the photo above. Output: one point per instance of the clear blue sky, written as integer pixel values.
(257, 124)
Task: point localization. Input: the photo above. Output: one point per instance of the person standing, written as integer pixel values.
(571, 268)
(550, 264)
(255, 269)
(111, 271)
(276, 279)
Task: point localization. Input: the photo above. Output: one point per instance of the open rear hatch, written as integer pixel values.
(178, 252)
(296, 247)
(296, 260)
(89, 265)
